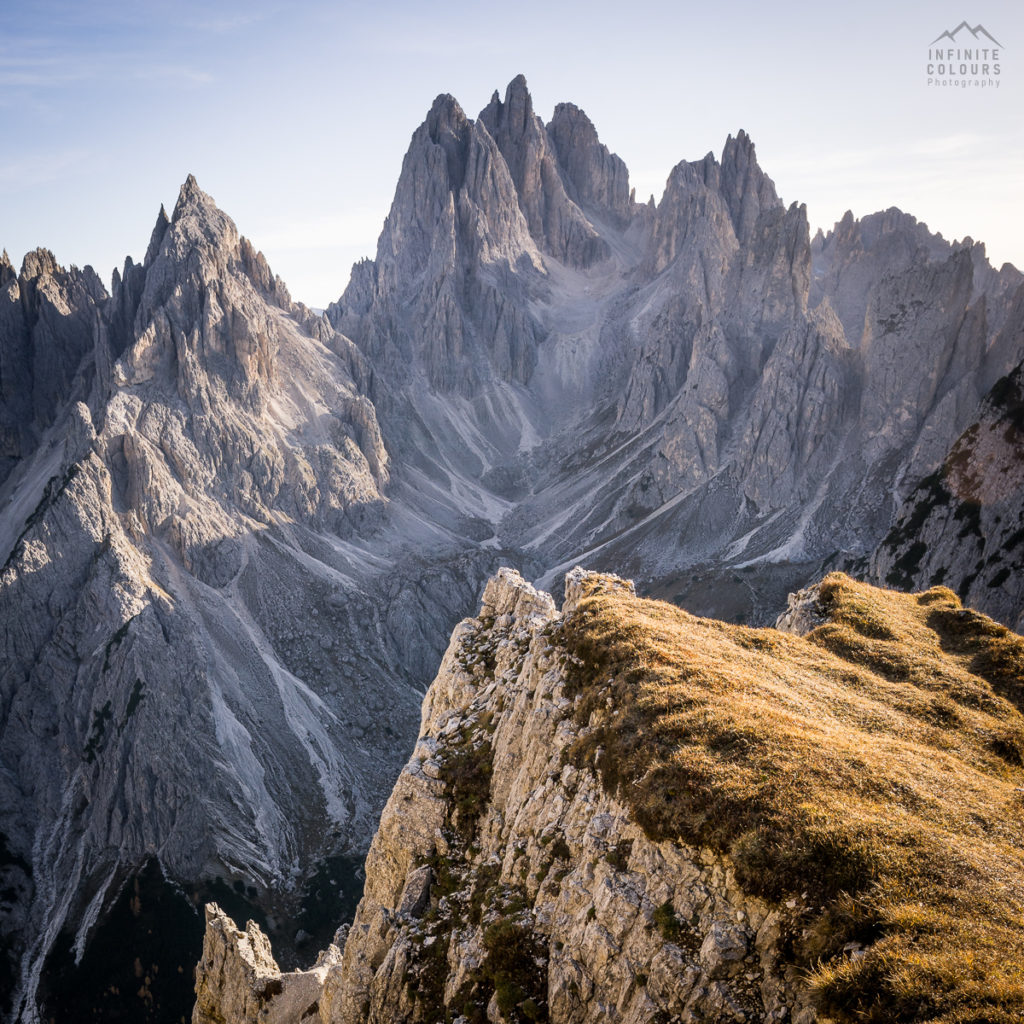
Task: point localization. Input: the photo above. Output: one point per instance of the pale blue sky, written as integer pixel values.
(295, 116)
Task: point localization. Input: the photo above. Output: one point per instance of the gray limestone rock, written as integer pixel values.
(597, 178)
(556, 223)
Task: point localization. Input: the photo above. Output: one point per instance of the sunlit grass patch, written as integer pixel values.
(874, 764)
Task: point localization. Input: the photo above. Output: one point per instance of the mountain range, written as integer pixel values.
(237, 534)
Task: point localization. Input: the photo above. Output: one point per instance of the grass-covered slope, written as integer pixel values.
(874, 765)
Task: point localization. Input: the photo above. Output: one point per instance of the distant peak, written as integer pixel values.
(445, 115)
(518, 84)
(39, 263)
(571, 114)
(444, 103)
(518, 94)
(516, 108)
(196, 220)
(743, 142)
(191, 196)
(160, 229)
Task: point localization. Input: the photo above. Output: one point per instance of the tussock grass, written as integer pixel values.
(874, 764)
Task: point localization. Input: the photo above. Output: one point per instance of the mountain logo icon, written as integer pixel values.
(975, 31)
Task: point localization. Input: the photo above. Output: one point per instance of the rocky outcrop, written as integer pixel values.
(622, 812)
(506, 884)
(241, 979)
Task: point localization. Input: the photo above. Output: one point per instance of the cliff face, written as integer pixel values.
(47, 317)
(504, 880)
(582, 835)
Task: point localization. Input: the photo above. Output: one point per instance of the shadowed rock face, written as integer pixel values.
(233, 523)
(594, 177)
(46, 329)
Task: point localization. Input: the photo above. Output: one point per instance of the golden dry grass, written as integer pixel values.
(875, 764)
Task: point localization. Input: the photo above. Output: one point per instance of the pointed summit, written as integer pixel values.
(518, 98)
(198, 221)
(448, 127)
(598, 177)
(190, 195)
(555, 221)
(159, 230)
(444, 112)
(747, 190)
(514, 114)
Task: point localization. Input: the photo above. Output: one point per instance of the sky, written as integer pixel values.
(295, 116)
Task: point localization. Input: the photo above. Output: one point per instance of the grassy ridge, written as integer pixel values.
(875, 765)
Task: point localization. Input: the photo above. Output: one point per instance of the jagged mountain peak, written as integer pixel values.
(515, 109)
(198, 411)
(39, 263)
(741, 141)
(746, 188)
(446, 126)
(46, 323)
(445, 114)
(190, 189)
(199, 220)
(6, 267)
(852, 258)
(555, 221)
(597, 177)
(491, 192)
(157, 237)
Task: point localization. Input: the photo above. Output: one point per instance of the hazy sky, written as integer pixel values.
(295, 117)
